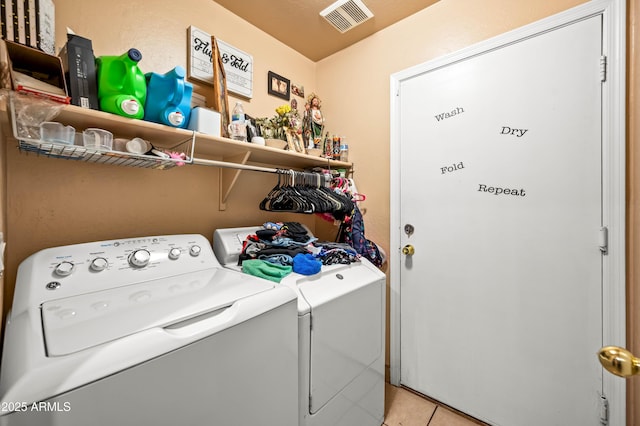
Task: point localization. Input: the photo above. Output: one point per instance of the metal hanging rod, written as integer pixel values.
(239, 166)
(228, 165)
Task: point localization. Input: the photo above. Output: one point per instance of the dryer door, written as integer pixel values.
(347, 327)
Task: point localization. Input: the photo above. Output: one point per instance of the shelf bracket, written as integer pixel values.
(228, 177)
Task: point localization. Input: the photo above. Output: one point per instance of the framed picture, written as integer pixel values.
(297, 90)
(278, 86)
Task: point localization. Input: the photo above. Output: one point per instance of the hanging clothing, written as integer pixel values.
(352, 233)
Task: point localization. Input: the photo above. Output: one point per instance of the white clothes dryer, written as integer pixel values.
(340, 337)
(147, 331)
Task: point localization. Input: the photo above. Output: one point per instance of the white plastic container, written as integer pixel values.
(97, 139)
(138, 146)
(54, 132)
(205, 121)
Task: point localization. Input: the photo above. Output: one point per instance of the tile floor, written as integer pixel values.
(405, 408)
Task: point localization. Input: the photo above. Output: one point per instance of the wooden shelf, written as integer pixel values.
(206, 146)
(222, 150)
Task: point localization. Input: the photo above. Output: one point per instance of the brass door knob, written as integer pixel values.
(619, 361)
(408, 250)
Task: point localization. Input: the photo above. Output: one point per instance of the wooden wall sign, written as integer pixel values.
(200, 66)
(238, 65)
(220, 99)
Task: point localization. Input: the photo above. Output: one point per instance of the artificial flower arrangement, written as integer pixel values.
(277, 127)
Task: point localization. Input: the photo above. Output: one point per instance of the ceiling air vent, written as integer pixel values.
(346, 14)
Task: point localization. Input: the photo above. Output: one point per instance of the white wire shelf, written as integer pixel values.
(25, 126)
(80, 153)
(27, 112)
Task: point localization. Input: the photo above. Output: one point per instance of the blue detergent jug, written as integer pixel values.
(122, 87)
(168, 98)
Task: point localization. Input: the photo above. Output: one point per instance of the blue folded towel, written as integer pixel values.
(306, 264)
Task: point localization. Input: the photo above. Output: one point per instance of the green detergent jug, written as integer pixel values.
(122, 87)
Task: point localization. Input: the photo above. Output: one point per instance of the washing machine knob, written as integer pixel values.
(174, 253)
(139, 258)
(195, 250)
(99, 264)
(63, 269)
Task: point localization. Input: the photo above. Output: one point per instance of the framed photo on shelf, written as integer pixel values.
(295, 142)
(278, 86)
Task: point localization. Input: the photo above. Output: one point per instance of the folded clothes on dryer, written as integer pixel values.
(280, 259)
(258, 250)
(306, 264)
(288, 241)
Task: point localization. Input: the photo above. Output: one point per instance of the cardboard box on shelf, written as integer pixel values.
(33, 71)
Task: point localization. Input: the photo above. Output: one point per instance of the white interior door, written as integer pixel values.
(500, 178)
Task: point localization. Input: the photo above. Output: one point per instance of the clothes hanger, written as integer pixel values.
(272, 194)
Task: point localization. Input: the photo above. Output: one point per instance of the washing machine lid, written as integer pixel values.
(80, 322)
(347, 332)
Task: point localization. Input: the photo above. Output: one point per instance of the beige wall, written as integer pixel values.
(52, 202)
(55, 202)
(159, 30)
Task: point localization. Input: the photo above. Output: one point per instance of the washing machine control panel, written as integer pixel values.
(227, 243)
(83, 268)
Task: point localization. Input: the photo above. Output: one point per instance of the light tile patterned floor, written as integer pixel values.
(405, 408)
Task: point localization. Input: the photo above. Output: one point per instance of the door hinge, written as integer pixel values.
(603, 240)
(604, 410)
(603, 68)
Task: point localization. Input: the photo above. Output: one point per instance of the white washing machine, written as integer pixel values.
(340, 337)
(147, 331)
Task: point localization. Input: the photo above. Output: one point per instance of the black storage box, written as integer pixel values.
(79, 65)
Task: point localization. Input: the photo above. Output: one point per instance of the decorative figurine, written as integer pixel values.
(313, 123)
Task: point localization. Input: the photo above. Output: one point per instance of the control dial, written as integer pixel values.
(63, 269)
(139, 258)
(98, 264)
(195, 250)
(174, 253)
